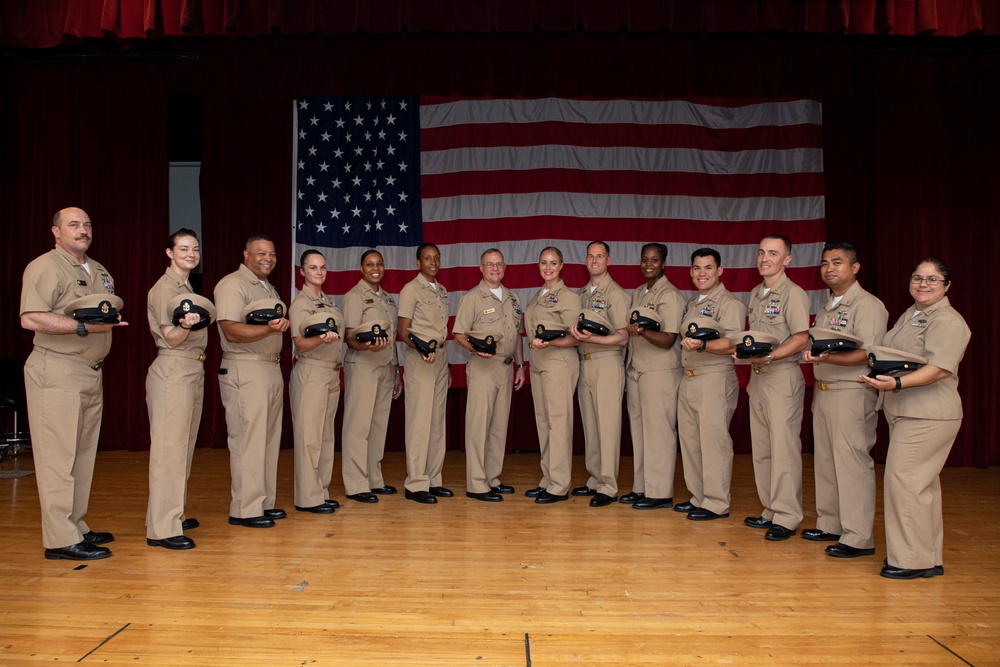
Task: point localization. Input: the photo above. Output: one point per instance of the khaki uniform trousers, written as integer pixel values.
(251, 392)
(776, 397)
(367, 400)
(914, 529)
(65, 403)
(599, 391)
(552, 394)
(844, 421)
(705, 408)
(426, 402)
(487, 410)
(652, 409)
(314, 392)
(175, 391)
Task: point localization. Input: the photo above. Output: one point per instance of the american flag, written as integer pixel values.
(521, 174)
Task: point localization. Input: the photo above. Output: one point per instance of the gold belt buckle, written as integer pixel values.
(823, 386)
(690, 373)
(756, 369)
(586, 356)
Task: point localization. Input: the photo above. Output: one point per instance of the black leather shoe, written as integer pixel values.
(252, 522)
(177, 543)
(424, 497)
(189, 524)
(385, 490)
(546, 498)
(503, 488)
(684, 507)
(332, 503)
(583, 491)
(778, 533)
(441, 492)
(317, 509)
(363, 497)
(892, 572)
(702, 514)
(648, 503)
(98, 538)
(275, 514)
(489, 496)
(535, 492)
(817, 535)
(757, 522)
(82, 550)
(630, 498)
(839, 550)
(602, 500)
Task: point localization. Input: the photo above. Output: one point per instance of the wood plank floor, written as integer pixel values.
(471, 583)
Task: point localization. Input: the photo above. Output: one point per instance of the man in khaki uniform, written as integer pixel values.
(492, 308)
(709, 391)
(251, 386)
(780, 308)
(64, 387)
(424, 306)
(652, 376)
(844, 416)
(602, 378)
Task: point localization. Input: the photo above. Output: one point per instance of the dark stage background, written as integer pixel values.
(910, 136)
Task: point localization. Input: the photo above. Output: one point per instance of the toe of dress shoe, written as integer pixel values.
(322, 508)
(503, 488)
(757, 522)
(385, 490)
(702, 514)
(251, 522)
(648, 503)
(546, 498)
(778, 533)
(363, 497)
(584, 491)
(684, 507)
(189, 524)
(892, 572)
(83, 550)
(488, 496)
(630, 498)
(275, 514)
(441, 492)
(817, 535)
(535, 492)
(839, 550)
(602, 500)
(98, 538)
(176, 543)
(423, 497)
(332, 503)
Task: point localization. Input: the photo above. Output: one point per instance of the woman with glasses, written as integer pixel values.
(924, 412)
(554, 372)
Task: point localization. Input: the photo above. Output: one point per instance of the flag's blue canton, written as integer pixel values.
(358, 171)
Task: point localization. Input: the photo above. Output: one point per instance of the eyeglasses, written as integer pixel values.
(493, 265)
(930, 280)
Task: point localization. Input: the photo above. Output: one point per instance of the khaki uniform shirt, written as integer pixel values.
(52, 282)
(668, 303)
(610, 299)
(160, 314)
(560, 305)
(940, 335)
(307, 304)
(480, 310)
(724, 308)
(362, 304)
(426, 307)
(234, 293)
(781, 312)
(859, 314)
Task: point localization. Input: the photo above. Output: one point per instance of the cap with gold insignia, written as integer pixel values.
(484, 341)
(594, 321)
(423, 340)
(754, 344)
(549, 331)
(318, 324)
(824, 340)
(95, 308)
(368, 331)
(647, 318)
(890, 361)
(263, 311)
(703, 328)
(184, 304)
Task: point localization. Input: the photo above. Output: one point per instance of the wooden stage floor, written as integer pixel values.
(493, 585)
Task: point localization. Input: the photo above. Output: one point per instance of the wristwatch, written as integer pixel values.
(81, 328)
(519, 365)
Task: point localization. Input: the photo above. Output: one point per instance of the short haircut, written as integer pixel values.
(369, 252)
(490, 251)
(783, 239)
(183, 231)
(552, 249)
(658, 247)
(425, 246)
(310, 251)
(258, 237)
(939, 264)
(849, 250)
(707, 252)
(607, 248)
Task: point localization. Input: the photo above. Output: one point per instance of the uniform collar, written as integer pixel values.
(70, 258)
(603, 286)
(251, 276)
(849, 296)
(312, 297)
(929, 310)
(366, 288)
(485, 290)
(423, 283)
(779, 286)
(714, 294)
(176, 279)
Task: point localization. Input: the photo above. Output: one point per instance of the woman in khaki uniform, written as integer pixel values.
(314, 389)
(924, 412)
(371, 381)
(554, 373)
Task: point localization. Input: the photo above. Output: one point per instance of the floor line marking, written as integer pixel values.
(950, 651)
(106, 640)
